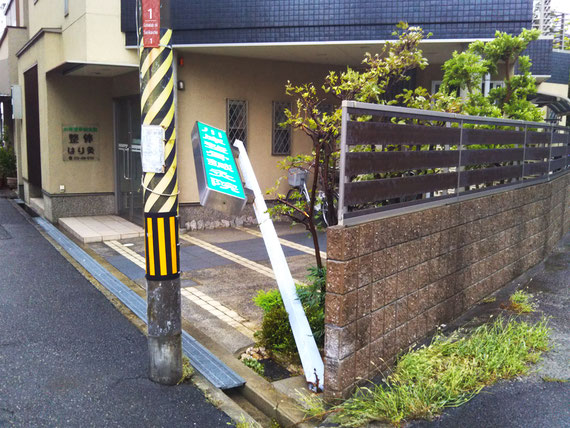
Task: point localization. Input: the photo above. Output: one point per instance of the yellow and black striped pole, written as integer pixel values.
(160, 198)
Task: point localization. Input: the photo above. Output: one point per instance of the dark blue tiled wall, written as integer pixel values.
(560, 67)
(230, 21)
(540, 53)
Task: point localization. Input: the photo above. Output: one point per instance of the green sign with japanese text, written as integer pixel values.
(219, 182)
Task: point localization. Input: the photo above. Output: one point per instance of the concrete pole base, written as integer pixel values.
(165, 357)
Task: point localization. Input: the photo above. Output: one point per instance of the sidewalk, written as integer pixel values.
(67, 356)
(540, 399)
(222, 270)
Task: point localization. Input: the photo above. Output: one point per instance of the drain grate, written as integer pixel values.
(4, 233)
(203, 360)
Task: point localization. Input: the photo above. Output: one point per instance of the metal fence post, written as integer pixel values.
(524, 152)
(342, 176)
(550, 152)
(460, 148)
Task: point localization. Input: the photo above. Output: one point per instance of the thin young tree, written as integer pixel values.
(378, 75)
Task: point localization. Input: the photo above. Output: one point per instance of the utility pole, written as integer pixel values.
(160, 191)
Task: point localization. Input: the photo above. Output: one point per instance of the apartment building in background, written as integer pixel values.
(69, 79)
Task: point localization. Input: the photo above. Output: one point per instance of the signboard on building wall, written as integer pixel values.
(151, 23)
(219, 183)
(80, 142)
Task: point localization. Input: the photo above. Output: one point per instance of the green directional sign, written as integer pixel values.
(219, 183)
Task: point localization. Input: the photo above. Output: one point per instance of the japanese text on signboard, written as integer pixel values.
(219, 164)
(80, 142)
(151, 23)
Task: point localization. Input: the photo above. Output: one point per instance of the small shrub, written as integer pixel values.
(7, 162)
(276, 333)
(267, 300)
(255, 365)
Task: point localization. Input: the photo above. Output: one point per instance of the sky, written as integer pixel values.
(560, 5)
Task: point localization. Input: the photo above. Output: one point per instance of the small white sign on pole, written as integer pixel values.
(152, 148)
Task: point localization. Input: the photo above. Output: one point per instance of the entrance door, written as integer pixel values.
(33, 132)
(128, 158)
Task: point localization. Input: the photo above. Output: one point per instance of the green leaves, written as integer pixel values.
(464, 70)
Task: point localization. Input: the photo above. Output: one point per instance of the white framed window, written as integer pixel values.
(489, 84)
(281, 141)
(236, 120)
(435, 85)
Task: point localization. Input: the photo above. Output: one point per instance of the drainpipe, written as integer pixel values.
(160, 193)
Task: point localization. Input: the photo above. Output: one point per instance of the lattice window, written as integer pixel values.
(281, 144)
(236, 118)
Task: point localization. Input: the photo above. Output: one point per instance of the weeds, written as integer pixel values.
(187, 370)
(554, 379)
(521, 302)
(447, 373)
(243, 423)
(255, 365)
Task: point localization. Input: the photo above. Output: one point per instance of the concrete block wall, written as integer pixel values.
(392, 281)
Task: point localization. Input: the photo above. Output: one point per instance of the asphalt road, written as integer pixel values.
(67, 356)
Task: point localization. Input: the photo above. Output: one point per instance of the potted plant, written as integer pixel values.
(8, 169)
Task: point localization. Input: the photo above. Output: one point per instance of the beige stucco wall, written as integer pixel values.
(91, 32)
(16, 38)
(13, 40)
(126, 84)
(210, 80)
(71, 100)
(46, 14)
(80, 101)
(105, 42)
(556, 89)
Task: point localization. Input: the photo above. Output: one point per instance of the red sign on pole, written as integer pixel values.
(151, 23)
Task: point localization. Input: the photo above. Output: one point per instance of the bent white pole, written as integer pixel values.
(310, 358)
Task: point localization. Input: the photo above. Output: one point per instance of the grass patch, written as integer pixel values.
(554, 379)
(521, 302)
(489, 300)
(243, 423)
(447, 373)
(255, 365)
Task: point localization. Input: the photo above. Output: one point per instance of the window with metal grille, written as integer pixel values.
(281, 144)
(236, 120)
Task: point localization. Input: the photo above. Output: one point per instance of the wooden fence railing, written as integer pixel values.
(402, 158)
